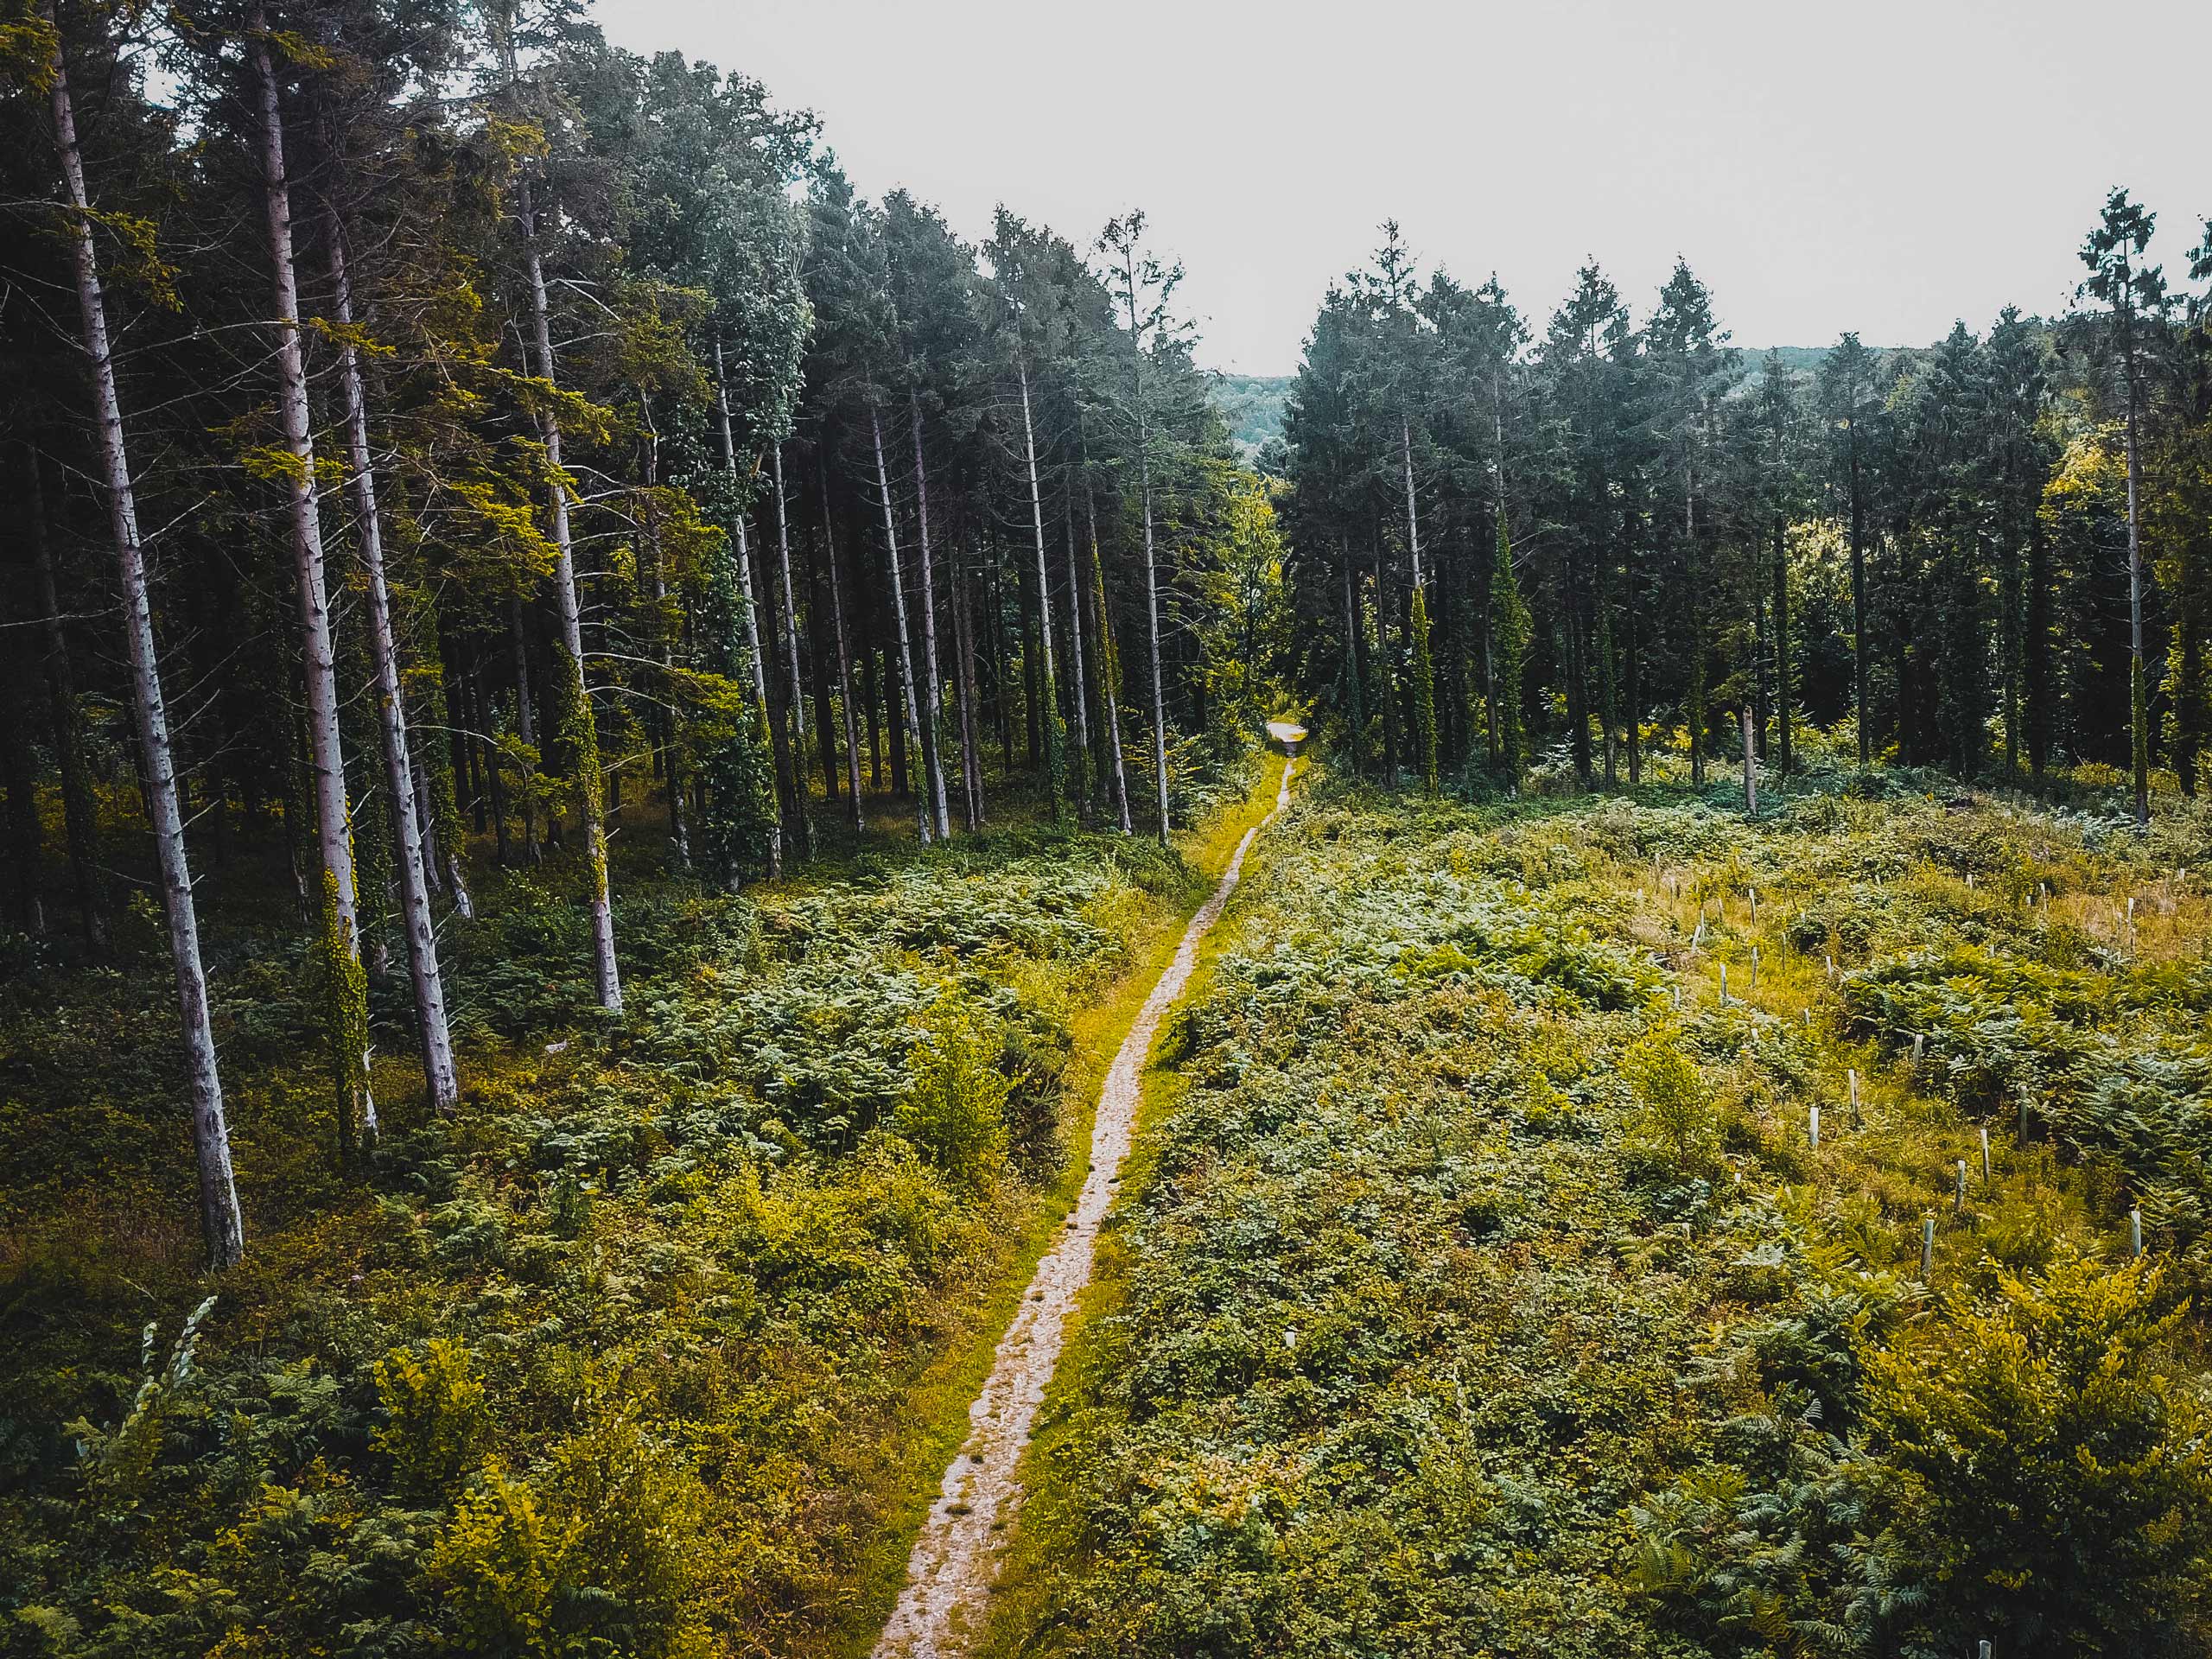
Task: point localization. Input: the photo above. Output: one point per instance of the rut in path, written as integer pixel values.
(949, 1576)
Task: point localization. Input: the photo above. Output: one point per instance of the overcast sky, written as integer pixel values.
(1882, 165)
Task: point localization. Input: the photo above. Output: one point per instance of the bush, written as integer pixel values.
(955, 1115)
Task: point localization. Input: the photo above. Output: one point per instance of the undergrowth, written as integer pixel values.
(619, 1357)
(1481, 1287)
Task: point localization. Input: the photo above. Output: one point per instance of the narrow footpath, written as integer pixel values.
(956, 1557)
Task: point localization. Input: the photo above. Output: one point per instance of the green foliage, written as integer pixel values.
(956, 1114)
(617, 1357)
(1474, 1300)
(436, 1425)
(2046, 1470)
(1677, 1117)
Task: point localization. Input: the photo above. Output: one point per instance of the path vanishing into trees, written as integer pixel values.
(956, 1557)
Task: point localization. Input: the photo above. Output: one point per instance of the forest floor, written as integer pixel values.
(657, 1341)
(1483, 1279)
(954, 1562)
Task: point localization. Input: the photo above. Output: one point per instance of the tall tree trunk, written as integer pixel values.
(746, 599)
(995, 597)
(1110, 668)
(1694, 598)
(924, 813)
(221, 1228)
(605, 971)
(932, 697)
(819, 648)
(1609, 711)
(325, 748)
(2138, 690)
(665, 748)
(1634, 687)
(972, 748)
(1079, 700)
(1858, 599)
(795, 693)
(844, 656)
(1355, 692)
(1048, 700)
(1785, 678)
(428, 985)
(1151, 561)
(79, 807)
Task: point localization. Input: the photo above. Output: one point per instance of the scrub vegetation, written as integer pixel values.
(1486, 1290)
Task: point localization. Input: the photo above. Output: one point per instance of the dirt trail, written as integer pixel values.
(949, 1576)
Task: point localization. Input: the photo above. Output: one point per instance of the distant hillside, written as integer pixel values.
(1253, 406)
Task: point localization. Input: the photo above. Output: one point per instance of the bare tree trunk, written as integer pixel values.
(932, 699)
(326, 750)
(80, 810)
(2139, 702)
(1151, 565)
(972, 753)
(745, 596)
(844, 655)
(607, 973)
(795, 714)
(922, 807)
(1079, 699)
(1413, 516)
(400, 774)
(1048, 702)
(819, 649)
(671, 773)
(1109, 669)
(221, 1228)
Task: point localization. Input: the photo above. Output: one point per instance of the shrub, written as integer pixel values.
(955, 1115)
(1675, 1121)
(437, 1426)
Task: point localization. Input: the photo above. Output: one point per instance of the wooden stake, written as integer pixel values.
(1959, 1203)
(1813, 1128)
(2135, 1233)
(1927, 1250)
(1985, 1154)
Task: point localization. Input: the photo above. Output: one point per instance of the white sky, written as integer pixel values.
(1882, 165)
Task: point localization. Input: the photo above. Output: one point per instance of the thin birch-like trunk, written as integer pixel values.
(399, 772)
(221, 1228)
(1109, 670)
(1150, 560)
(665, 644)
(1048, 702)
(932, 697)
(971, 751)
(325, 748)
(746, 599)
(924, 815)
(1079, 698)
(605, 971)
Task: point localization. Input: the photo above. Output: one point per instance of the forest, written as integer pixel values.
(609, 745)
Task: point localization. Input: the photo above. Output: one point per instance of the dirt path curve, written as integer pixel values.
(950, 1574)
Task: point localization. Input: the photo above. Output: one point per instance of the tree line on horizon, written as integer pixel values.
(1992, 556)
(488, 435)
